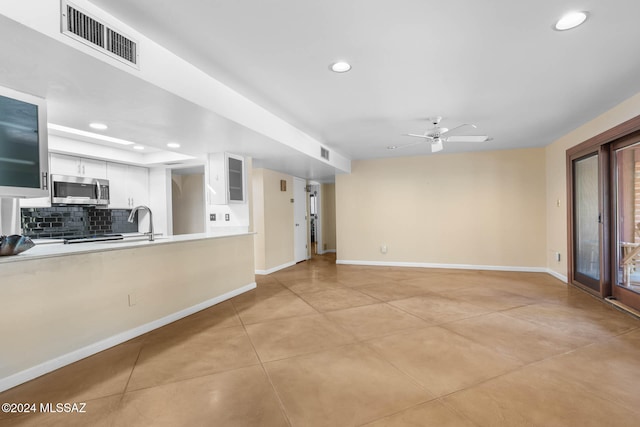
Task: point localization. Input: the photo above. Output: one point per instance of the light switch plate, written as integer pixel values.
(212, 217)
(226, 217)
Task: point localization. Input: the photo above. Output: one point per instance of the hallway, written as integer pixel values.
(320, 344)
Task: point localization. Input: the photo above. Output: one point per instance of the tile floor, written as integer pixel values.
(320, 344)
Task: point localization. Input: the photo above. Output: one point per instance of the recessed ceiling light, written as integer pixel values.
(138, 147)
(79, 132)
(173, 145)
(99, 126)
(570, 20)
(340, 67)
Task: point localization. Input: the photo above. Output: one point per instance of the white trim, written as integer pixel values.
(326, 251)
(274, 269)
(558, 275)
(450, 266)
(91, 349)
(455, 267)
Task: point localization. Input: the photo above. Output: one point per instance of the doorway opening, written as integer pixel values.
(315, 220)
(187, 200)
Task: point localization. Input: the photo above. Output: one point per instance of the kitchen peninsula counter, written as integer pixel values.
(46, 248)
(60, 303)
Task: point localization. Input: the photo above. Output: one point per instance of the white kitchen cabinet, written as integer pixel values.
(62, 164)
(225, 179)
(128, 186)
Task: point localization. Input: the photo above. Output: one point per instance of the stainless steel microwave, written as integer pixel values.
(78, 190)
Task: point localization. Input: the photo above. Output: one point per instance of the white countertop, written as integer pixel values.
(46, 248)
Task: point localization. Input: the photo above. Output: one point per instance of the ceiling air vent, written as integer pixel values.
(80, 26)
(324, 153)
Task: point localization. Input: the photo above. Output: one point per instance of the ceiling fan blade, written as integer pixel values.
(467, 138)
(411, 144)
(417, 136)
(457, 127)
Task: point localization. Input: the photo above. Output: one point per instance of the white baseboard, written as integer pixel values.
(81, 353)
(558, 276)
(446, 266)
(274, 269)
(327, 251)
(456, 267)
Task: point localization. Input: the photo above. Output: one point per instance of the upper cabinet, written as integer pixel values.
(23, 145)
(75, 166)
(225, 179)
(128, 186)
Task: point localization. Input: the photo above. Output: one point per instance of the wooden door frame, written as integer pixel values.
(588, 284)
(626, 296)
(603, 145)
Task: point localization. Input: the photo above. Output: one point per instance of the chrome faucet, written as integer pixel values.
(133, 213)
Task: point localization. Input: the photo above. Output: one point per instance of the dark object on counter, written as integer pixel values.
(14, 244)
(93, 238)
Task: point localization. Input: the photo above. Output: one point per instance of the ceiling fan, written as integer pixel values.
(437, 135)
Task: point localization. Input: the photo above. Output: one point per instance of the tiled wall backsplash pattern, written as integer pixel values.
(69, 221)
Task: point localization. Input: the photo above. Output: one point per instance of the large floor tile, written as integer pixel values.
(337, 299)
(278, 339)
(375, 320)
(593, 324)
(534, 397)
(437, 309)
(242, 397)
(169, 358)
(316, 285)
(433, 413)
(220, 315)
(262, 292)
(94, 413)
(272, 308)
(103, 374)
(525, 341)
(360, 278)
(391, 290)
(610, 366)
(491, 298)
(341, 387)
(442, 361)
(443, 283)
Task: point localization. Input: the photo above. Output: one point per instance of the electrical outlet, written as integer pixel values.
(212, 217)
(226, 217)
(558, 256)
(383, 249)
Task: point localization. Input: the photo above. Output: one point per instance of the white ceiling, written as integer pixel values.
(497, 64)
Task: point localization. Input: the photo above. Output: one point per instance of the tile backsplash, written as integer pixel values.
(69, 221)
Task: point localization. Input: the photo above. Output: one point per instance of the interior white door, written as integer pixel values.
(299, 219)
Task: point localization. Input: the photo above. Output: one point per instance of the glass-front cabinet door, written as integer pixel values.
(626, 168)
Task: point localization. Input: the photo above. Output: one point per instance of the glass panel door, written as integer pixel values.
(586, 221)
(627, 228)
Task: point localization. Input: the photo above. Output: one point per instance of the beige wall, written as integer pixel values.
(273, 219)
(556, 177)
(187, 193)
(328, 216)
(60, 309)
(483, 208)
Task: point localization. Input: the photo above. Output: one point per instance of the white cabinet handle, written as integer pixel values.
(78, 168)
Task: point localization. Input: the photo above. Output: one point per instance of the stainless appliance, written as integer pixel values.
(77, 190)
